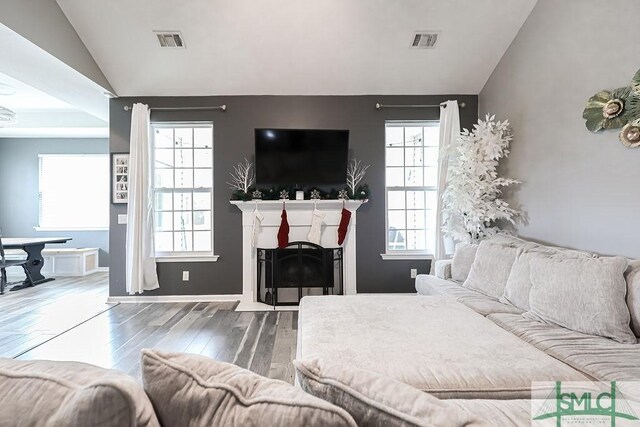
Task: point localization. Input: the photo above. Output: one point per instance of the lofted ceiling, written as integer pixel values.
(296, 47)
(40, 114)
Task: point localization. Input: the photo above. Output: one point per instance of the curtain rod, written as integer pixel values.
(380, 106)
(219, 108)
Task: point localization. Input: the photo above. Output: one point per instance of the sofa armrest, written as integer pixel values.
(443, 269)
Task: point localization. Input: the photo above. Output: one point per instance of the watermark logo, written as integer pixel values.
(583, 404)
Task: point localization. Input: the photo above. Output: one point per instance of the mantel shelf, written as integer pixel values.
(297, 204)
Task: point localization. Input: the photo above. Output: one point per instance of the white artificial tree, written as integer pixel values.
(472, 202)
(242, 176)
(355, 173)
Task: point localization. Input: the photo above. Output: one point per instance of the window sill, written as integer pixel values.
(400, 257)
(185, 258)
(71, 228)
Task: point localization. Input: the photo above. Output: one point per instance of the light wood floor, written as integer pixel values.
(61, 320)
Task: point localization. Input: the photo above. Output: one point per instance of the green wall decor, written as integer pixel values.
(616, 109)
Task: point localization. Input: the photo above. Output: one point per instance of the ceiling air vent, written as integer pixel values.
(425, 39)
(170, 39)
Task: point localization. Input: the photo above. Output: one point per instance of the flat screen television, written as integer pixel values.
(301, 156)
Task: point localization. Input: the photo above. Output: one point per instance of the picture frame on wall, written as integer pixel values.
(120, 178)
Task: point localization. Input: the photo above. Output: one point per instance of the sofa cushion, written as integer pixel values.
(491, 268)
(442, 268)
(632, 276)
(502, 413)
(432, 343)
(600, 358)
(43, 392)
(375, 400)
(431, 285)
(584, 294)
(462, 260)
(208, 393)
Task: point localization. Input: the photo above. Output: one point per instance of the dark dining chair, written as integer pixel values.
(5, 263)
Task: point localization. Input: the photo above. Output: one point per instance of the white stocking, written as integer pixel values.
(256, 227)
(315, 234)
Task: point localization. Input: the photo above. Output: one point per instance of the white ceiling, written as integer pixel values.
(296, 47)
(51, 99)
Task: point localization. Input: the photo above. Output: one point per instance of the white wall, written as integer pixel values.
(580, 189)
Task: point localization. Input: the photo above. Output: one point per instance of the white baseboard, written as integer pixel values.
(173, 298)
(258, 306)
(103, 269)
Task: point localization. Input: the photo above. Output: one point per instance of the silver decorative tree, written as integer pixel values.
(242, 176)
(355, 173)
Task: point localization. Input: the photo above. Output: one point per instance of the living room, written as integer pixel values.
(241, 213)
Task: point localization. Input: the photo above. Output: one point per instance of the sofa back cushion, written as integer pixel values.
(582, 294)
(375, 400)
(462, 260)
(518, 287)
(43, 392)
(188, 389)
(632, 276)
(491, 267)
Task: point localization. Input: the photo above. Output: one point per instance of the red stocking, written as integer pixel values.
(344, 225)
(283, 232)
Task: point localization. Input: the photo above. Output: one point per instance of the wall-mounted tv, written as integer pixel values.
(301, 156)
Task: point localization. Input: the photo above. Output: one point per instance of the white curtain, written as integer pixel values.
(141, 262)
(449, 132)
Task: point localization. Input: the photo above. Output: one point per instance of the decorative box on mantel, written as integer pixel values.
(299, 217)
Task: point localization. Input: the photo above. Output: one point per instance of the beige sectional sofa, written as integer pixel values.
(479, 342)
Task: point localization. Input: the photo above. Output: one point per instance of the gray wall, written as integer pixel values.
(43, 23)
(234, 140)
(19, 195)
(580, 189)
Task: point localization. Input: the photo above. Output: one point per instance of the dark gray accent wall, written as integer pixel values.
(19, 175)
(234, 140)
(580, 189)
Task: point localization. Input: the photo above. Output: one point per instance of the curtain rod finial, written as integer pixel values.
(378, 106)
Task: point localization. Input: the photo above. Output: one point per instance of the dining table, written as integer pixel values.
(33, 246)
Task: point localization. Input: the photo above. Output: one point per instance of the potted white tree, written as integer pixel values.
(472, 202)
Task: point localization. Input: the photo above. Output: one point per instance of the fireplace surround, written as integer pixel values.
(299, 214)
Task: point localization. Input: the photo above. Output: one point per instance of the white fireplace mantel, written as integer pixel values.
(299, 214)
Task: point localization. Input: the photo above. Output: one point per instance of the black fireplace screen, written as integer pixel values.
(302, 268)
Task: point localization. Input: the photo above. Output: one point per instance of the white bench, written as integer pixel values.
(70, 262)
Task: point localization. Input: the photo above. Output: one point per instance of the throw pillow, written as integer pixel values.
(491, 267)
(188, 389)
(518, 287)
(462, 260)
(583, 294)
(374, 400)
(42, 392)
(632, 276)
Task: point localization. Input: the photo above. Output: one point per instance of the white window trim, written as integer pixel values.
(71, 228)
(187, 258)
(389, 255)
(39, 227)
(407, 256)
(177, 257)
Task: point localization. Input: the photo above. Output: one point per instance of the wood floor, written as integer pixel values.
(46, 324)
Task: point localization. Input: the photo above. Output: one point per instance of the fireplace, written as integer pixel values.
(285, 275)
(299, 213)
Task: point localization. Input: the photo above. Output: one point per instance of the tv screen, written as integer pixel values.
(301, 156)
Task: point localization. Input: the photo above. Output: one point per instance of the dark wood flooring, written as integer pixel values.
(66, 328)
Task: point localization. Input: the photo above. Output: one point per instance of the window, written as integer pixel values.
(74, 191)
(411, 152)
(183, 189)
